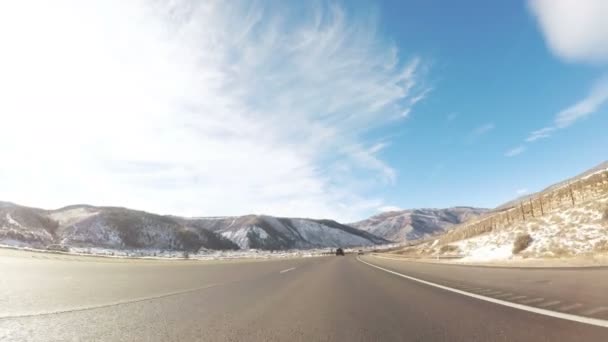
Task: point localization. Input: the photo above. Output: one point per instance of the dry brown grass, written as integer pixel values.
(601, 246)
(465, 232)
(449, 249)
(521, 242)
(587, 193)
(557, 219)
(534, 226)
(559, 251)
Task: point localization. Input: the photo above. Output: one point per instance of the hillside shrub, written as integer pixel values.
(449, 249)
(601, 246)
(521, 242)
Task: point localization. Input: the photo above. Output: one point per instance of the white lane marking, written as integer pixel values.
(595, 310)
(115, 303)
(494, 293)
(508, 294)
(570, 317)
(486, 291)
(551, 303)
(515, 298)
(570, 307)
(531, 301)
(287, 270)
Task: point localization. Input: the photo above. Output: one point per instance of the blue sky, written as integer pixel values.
(309, 109)
(490, 67)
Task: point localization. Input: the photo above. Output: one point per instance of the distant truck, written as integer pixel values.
(339, 252)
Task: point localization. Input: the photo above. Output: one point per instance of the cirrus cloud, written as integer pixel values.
(197, 108)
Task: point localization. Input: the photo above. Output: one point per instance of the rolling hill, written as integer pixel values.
(412, 224)
(123, 229)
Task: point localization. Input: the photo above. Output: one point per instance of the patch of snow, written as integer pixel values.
(70, 216)
(321, 235)
(238, 236)
(10, 220)
(489, 253)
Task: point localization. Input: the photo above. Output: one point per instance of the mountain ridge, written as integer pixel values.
(413, 224)
(83, 225)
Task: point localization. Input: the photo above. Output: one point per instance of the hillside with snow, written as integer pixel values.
(84, 226)
(567, 219)
(277, 233)
(413, 224)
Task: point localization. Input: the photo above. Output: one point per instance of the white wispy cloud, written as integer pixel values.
(522, 191)
(515, 151)
(597, 96)
(540, 134)
(389, 208)
(587, 106)
(483, 129)
(197, 108)
(574, 30)
(479, 131)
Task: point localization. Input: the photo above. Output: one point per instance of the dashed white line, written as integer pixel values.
(595, 310)
(570, 317)
(486, 291)
(508, 294)
(287, 270)
(531, 301)
(551, 303)
(516, 297)
(570, 307)
(493, 293)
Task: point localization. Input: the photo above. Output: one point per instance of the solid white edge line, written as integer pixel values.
(287, 270)
(581, 319)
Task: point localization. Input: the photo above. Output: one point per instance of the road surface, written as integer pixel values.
(48, 297)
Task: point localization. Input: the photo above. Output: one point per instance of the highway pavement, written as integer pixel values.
(49, 297)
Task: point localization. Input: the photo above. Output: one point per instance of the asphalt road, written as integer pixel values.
(62, 298)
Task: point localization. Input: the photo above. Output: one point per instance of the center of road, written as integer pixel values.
(287, 270)
(570, 317)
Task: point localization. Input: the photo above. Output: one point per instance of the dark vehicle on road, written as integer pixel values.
(339, 252)
(360, 252)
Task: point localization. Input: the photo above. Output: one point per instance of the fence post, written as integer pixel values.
(571, 193)
(531, 207)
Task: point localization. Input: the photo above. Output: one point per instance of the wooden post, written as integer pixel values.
(542, 210)
(571, 193)
(523, 215)
(531, 207)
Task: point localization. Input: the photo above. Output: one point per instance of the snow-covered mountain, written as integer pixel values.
(268, 232)
(412, 224)
(103, 227)
(121, 228)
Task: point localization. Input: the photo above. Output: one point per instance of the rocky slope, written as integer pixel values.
(121, 229)
(415, 224)
(268, 232)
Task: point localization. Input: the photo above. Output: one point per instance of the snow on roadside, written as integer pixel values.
(574, 231)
